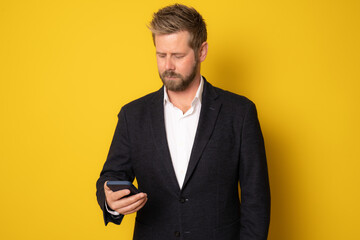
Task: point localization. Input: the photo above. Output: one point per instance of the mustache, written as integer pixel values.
(171, 74)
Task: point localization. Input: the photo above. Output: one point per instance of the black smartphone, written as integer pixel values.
(120, 185)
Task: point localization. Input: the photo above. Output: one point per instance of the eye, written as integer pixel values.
(160, 55)
(179, 56)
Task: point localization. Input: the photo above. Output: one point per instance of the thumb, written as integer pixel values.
(106, 188)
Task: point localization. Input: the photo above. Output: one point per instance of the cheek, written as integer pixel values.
(160, 65)
(187, 65)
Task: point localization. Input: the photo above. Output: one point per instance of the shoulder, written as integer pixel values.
(142, 100)
(237, 105)
(141, 104)
(228, 96)
(232, 101)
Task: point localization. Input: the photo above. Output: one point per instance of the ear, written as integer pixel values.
(203, 51)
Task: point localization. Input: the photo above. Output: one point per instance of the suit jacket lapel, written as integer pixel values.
(160, 139)
(208, 115)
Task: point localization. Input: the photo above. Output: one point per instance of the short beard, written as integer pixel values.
(182, 84)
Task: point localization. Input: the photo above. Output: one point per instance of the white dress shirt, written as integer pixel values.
(180, 131)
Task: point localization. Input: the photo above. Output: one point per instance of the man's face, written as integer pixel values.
(176, 60)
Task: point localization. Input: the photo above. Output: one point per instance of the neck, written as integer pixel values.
(183, 99)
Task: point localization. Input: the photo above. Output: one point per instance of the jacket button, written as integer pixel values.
(183, 200)
(177, 234)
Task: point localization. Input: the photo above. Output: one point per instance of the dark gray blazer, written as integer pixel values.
(228, 149)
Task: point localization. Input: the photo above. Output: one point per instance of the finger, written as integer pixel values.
(120, 194)
(133, 207)
(106, 188)
(128, 201)
(115, 195)
(143, 202)
(141, 206)
(116, 199)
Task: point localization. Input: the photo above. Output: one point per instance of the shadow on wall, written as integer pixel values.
(230, 72)
(237, 71)
(283, 185)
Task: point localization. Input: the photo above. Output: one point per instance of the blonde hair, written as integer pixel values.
(176, 18)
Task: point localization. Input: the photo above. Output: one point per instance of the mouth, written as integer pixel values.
(171, 77)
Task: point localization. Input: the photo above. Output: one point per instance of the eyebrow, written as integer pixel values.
(176, 53)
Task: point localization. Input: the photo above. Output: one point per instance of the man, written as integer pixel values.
(189, 145)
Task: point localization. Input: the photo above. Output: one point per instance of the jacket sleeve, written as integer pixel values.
(254, 181)
(117, 166)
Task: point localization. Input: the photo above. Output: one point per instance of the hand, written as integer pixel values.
(122, 204)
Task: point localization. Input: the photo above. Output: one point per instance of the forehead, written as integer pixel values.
(173, 42)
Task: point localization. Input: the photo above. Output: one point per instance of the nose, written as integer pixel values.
(169, 65)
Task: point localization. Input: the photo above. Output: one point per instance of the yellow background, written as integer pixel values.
(67, 67)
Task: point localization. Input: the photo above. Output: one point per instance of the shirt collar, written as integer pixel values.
(198, 95)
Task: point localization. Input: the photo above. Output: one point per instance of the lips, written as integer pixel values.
(171, 75)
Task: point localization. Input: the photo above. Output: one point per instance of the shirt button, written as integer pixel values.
(177, 234)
